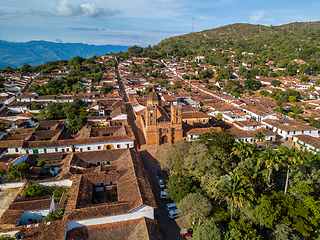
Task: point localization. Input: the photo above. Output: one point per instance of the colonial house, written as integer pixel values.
(288, 128)
(109, 192)
(258, 114)
(306, 142)
(87, 139)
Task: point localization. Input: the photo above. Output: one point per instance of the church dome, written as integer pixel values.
(154, 98)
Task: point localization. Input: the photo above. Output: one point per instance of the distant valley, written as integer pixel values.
(38, 52)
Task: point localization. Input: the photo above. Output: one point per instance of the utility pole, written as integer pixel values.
(193, 24)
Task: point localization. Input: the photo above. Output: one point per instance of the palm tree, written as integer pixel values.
(291, 157)
(271, 159)
(242, 149)
(234, 190)
(252, 170)
(259, 136)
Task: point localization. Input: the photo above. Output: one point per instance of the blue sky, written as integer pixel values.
(139, 22)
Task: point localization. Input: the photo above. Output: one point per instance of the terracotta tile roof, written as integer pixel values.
(247, 123)
(142, 229)
(26, 95)
(32, 203)
(312, 141)
(221, 106)
(198, 131)
(128, 135)
(162, 115)
(100, 156)
(133, 189)
(242, 133)
(118, 111)
(258, 111)
(54, 230)
(52, 124)
(170, 98)
(187, 115)
(288, 124)
(11, 216)
(11, 143)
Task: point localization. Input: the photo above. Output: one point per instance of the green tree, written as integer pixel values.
(304, 68)
(296, 110)
(259, 136)
(195, 206)
(284, 232)
(219, 117)
(252, 170)
(34, 190)
(276, 83)
(290, 157)
(209, 230)
(252, 84)
(271, 159)
(197, 162)
(172, 159)
(242, 229)
(105, 89)
(180, 186)
(41, 163)
(242, 149)
(304, 78)
(292, 99)
(18, 171)
(222, 139)
(2, 171)
(234, 190)
(25, 68)
(278, 208)
(6, 237)
(54, 216)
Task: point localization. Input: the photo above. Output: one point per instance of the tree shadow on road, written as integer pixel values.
(147, 156)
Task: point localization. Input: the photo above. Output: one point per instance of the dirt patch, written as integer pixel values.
(6, 197)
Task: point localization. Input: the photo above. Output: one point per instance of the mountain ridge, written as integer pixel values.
(34, 52)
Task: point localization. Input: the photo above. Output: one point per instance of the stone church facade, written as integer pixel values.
(161, 126)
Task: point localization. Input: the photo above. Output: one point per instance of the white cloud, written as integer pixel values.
(256, 16)
(88, 10)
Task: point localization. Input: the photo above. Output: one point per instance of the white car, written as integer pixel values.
(161, 184)
(164, 194)
(173, 214)
(171, 206)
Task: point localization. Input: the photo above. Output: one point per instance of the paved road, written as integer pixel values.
(169, 228)
(139, 137)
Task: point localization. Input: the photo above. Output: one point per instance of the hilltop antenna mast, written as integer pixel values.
(193, 24)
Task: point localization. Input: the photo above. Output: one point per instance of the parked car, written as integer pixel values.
(173, 214)
(171, 206)
(161, 183)
(186, 232)
(164, 194)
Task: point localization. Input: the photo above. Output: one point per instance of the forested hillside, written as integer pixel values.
(271, 43)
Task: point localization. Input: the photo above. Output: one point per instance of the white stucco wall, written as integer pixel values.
(65, 182)
(143, 211)
(68, 148)
(7, 186)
